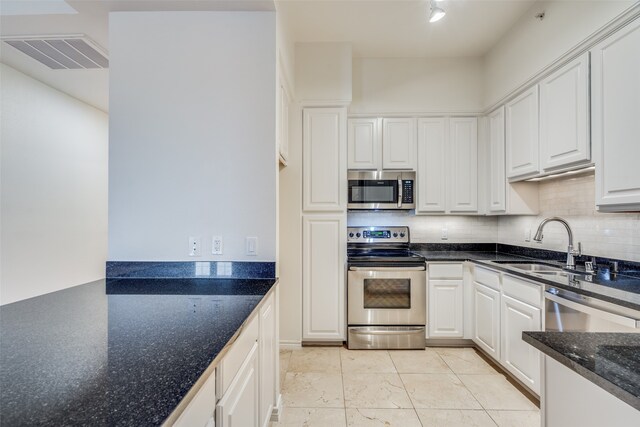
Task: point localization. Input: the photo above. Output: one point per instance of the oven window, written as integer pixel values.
(387, 293)
(372, 192)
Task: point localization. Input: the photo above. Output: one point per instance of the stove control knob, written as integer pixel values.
(350, 234)
(401, 234)
(395, 234)
(357, 234)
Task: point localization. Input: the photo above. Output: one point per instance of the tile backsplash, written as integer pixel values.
(612, 235)
(428, 228)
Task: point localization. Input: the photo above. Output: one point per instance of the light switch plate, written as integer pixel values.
(251, 246)
(445, 233)
(527, 234)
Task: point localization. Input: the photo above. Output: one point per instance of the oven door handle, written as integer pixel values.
(585, 307)
(400, 192)
(417, 268)
(403, 331)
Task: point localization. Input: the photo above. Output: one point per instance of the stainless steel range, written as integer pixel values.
(386, 290)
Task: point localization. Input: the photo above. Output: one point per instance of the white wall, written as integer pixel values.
(531, 44)
(612, 235)
(192, 134)
(417, 85)
(54, 189)
(323, 71)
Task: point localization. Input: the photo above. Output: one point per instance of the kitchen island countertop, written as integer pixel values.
(116, 351)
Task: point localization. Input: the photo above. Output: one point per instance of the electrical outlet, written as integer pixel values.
(445, 233)
(216, 246)
(195, 246)
(251, 244)
(527, 234)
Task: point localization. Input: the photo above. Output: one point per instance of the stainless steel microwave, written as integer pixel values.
(372, 190)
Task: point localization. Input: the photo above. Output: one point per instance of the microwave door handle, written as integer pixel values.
(400, 192)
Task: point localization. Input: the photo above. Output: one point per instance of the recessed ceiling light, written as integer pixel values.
(437, 13)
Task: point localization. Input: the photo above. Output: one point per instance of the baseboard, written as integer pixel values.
(277, 410)
(290, 344)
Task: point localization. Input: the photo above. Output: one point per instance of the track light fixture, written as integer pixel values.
(437, 13)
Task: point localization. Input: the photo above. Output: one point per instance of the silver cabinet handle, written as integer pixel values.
(418, 268)
(585, 307)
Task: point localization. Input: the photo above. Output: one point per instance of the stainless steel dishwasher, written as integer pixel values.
(568, 311)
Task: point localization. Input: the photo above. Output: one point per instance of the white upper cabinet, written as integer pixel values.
(324, 160)
(398, 143)
(522, 135)
(463, 164)
(432, 166)
(615, 109)
(497, 177)
(364, 144)
(564, 116)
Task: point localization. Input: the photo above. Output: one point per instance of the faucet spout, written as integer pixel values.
(571, 252)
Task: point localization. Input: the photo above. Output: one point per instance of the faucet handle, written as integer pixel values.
(577, 252)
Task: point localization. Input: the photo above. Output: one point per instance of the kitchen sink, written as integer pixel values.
(535, 267)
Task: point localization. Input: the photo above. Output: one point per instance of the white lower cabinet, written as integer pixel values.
(486, 333)
(268, 359)
(239, 407)
(521, 359)
(445, 300)
(200, 411)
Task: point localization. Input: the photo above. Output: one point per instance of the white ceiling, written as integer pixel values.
(376, 28)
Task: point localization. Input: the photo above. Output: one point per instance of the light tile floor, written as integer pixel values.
(448, 387)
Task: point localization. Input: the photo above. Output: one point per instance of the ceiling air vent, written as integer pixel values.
(61, 52)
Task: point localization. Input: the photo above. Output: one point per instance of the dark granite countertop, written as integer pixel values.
(120, 352)
(437, 255)
(609, 360)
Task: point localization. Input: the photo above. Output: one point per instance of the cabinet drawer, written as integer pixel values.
(445, 270)
(232, 361)
(202, 407)
(522, 290)
(486, 277)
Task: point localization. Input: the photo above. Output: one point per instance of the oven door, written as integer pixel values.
(386, 295)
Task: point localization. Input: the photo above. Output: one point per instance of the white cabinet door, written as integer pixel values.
(324, 159)
(486, 334)
(522, 135)
(564, 116)
(497, 177)
(268, 354)
(615, 113)
(520, 358)
(432, 165)
(446, 308)
(323, 277)
(463, 164)
(202, 407)
(239, 406)
(398, 143)
(364, 149)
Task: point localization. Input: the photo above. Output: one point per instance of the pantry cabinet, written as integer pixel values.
(323, 278)
(324, 162)
(447, 165)
(615, 103)
(398, 143)
(564, 116)
(364, 144)
(522, 146)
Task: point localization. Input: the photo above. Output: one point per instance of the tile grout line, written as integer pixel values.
(344, 394)
(405, 390)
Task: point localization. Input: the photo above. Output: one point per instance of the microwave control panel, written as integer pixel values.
(407, 191)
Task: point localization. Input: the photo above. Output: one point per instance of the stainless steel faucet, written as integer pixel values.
(571, 253)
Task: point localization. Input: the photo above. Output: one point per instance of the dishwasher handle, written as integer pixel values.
(596, 308)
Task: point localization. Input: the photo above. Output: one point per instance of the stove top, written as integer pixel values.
(380, 245)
